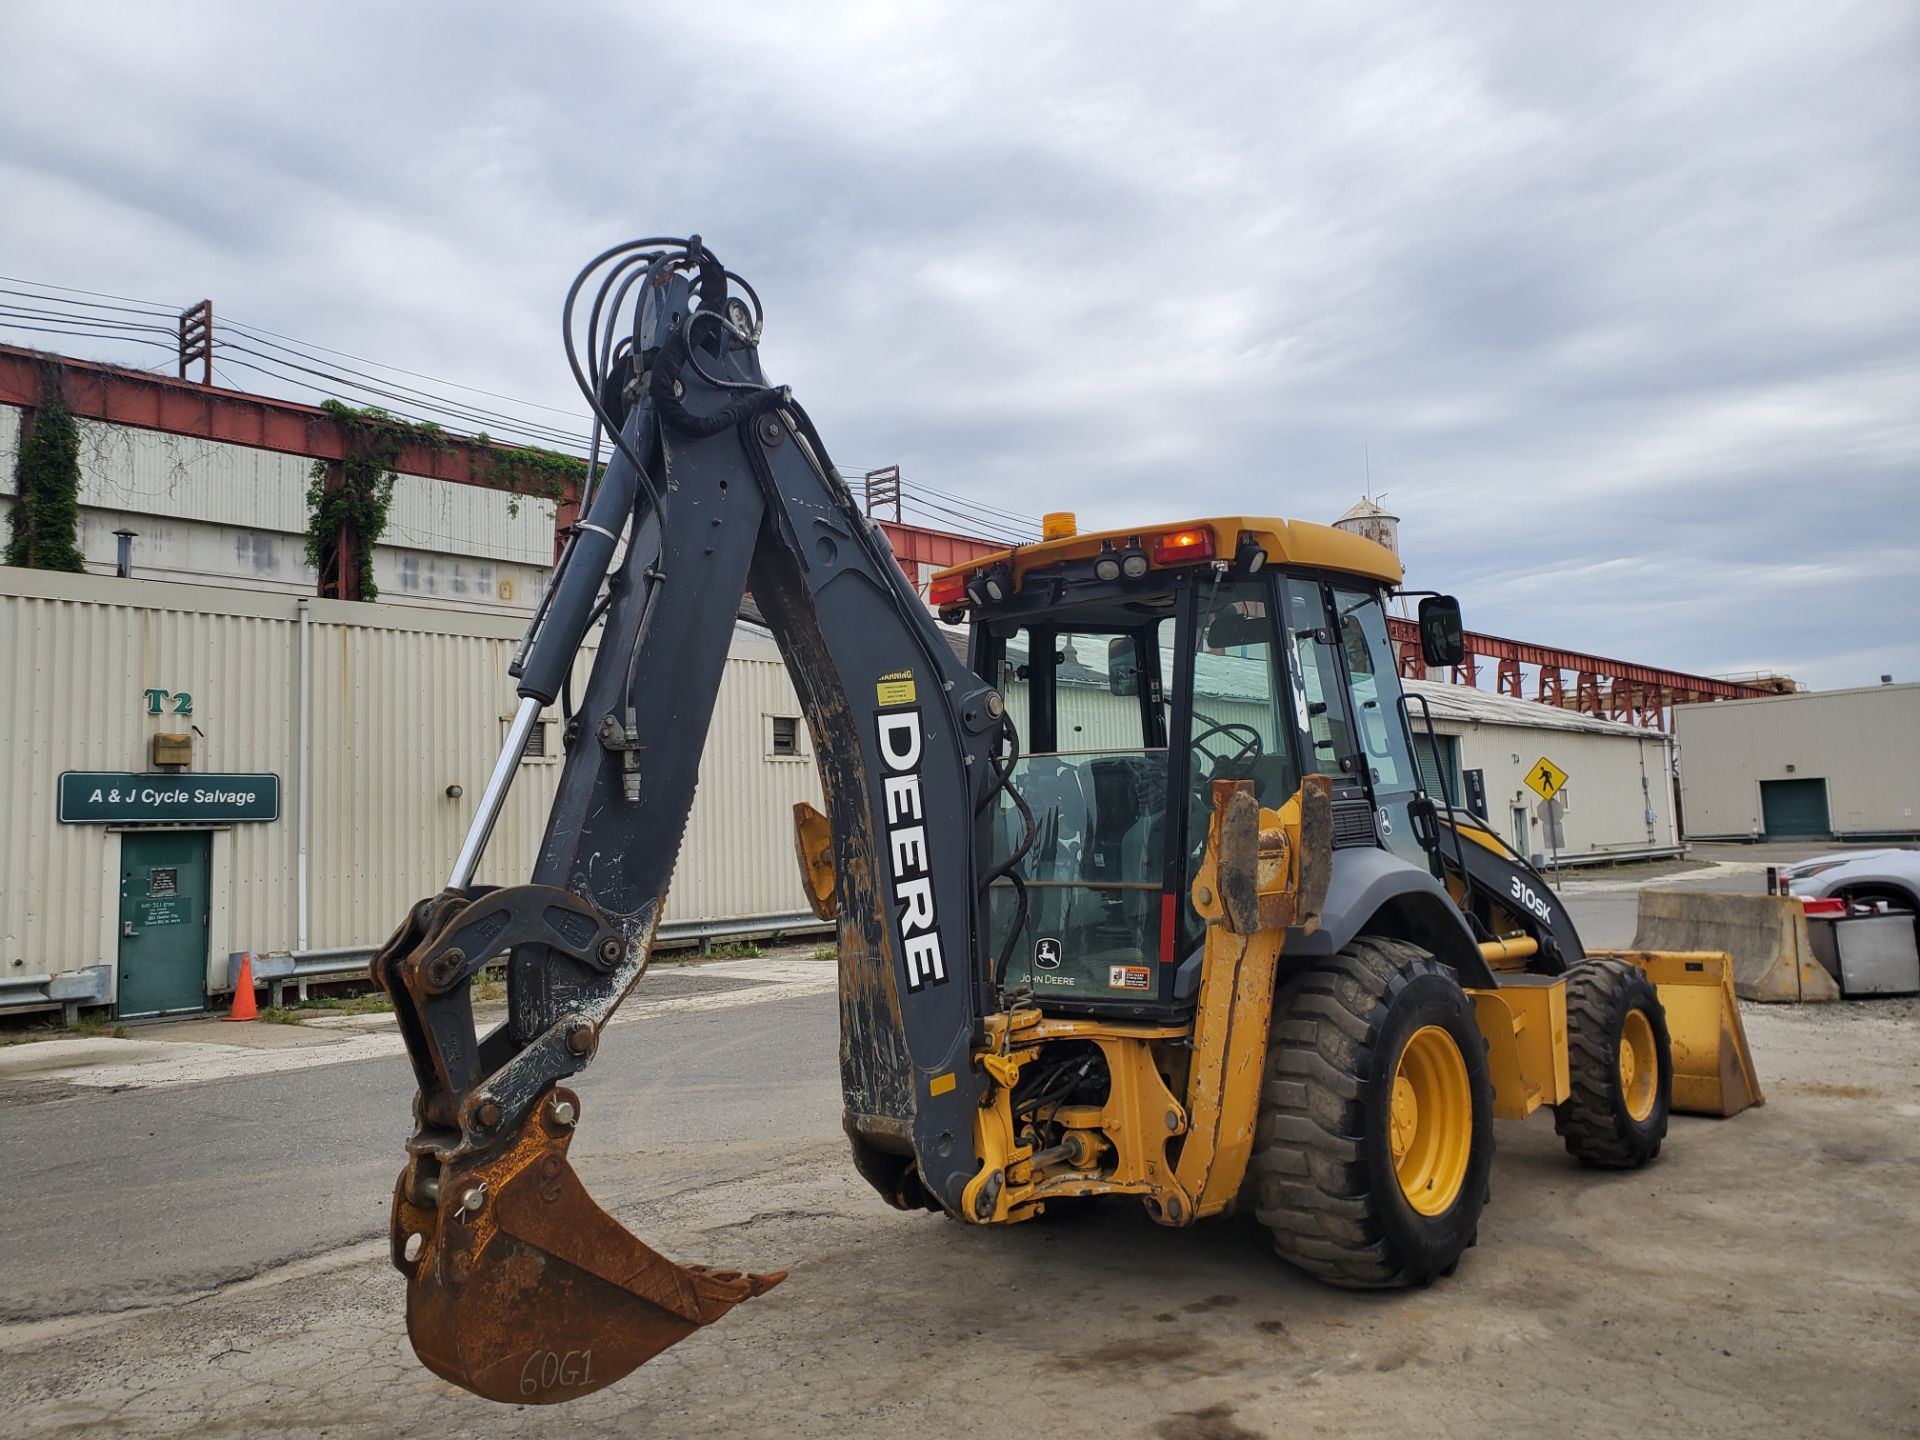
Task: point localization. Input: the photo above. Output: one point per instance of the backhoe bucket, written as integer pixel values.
(1712, 1067)
(522, 1290)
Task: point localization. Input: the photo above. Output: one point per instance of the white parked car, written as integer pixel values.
(1861, 875)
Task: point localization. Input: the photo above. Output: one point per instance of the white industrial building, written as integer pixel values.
(298, 771)
(1617, 803)
(364, 731)
(1842, 764)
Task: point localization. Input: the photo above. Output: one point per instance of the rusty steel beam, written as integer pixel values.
(1406, 636)
(178, 407)
(917, 545)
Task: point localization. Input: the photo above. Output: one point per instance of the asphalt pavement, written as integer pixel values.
(133, 1196)
(204, 1257)
(115, 1199)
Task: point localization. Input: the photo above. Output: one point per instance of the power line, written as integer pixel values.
(375, 385)
(407, 408)
(1028, 521)
(168, 345)
(398, 370)
(154, 305)
(948, 517)
(465, 412)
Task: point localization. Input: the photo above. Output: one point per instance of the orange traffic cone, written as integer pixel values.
(243, 1006)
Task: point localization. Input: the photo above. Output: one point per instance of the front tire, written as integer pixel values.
(1620, 1063)
(1375, 1142)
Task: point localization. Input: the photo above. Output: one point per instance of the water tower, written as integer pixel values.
(1376, 524)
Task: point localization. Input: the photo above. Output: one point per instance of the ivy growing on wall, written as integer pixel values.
(537, 474)
(45, 521)
(357, 506)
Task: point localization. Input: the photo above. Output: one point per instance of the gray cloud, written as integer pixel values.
(1621, 303)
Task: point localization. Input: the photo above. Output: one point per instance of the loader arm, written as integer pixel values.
(519, 1287)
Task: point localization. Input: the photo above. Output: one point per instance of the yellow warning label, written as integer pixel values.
(896, 689)
(1546, 779)
(940, 1084)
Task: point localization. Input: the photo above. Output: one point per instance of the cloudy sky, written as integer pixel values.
(1620, 304)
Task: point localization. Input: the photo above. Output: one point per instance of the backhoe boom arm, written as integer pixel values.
(718, 484)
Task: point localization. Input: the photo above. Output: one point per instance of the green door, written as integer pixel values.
(163, 921)
(1791, 809)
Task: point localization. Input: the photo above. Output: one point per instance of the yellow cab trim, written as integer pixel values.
(1296, 543)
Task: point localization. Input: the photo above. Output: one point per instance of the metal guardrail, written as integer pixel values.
(348, 961)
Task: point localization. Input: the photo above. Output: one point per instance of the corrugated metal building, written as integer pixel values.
(1833, 763)
(404, 703)
(1618, 800)
(204, 511)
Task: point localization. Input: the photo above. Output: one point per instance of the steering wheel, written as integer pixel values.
(1242, 757)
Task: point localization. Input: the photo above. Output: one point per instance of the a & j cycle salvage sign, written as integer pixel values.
(114, 797)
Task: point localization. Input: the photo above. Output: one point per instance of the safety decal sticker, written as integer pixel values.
(1129, 977)
(896, 688)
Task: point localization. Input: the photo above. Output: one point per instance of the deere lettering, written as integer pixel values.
(898, 734)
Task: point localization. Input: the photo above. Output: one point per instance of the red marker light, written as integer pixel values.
(1181, 546)
(947, 590)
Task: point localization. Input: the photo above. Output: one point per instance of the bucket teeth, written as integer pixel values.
(521, 1289)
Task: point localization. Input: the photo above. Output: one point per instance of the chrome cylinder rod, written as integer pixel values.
(495, 795)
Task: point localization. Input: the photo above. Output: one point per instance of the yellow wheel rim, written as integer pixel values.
(1639, 1065)
(1430, 1120)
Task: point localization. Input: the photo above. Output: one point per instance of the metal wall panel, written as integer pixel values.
(454, 519)
(165, 479)
(1612, 781)
(1862, 742)
(406, 701)
(80, 652)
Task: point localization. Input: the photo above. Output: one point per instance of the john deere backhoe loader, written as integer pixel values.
(1142, 897)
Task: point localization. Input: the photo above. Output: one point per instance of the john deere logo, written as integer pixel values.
(1046, 955)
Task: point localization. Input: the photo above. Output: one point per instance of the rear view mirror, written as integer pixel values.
(1231, 628)
(1443, 640)
(1123, 666)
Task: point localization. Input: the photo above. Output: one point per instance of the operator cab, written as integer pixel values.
(1140, 667)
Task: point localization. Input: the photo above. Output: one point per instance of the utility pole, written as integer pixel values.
(883, 489)
(196, 340)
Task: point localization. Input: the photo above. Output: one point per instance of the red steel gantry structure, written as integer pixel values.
(1605, 688)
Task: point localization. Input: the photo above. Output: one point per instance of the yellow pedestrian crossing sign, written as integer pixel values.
(1546, 779)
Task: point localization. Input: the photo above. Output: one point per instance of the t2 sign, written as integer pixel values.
(181, 701)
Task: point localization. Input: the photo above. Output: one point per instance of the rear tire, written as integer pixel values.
(1375, 1141)
(1616, 1115)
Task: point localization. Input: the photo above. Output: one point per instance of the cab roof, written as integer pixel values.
(1288, 543)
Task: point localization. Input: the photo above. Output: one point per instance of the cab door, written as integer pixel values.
(1349, 697)
(1379, 720)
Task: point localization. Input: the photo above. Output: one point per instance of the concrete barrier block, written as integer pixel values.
(1773, 958)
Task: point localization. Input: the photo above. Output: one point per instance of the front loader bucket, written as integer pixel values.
(1712, 1067)
(522, 1290)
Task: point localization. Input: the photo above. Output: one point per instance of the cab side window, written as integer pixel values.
(1319, 692)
